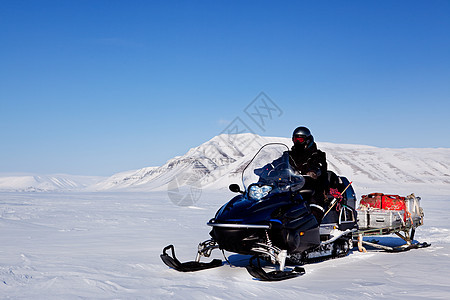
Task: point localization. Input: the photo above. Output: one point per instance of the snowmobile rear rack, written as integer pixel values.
(190, 266)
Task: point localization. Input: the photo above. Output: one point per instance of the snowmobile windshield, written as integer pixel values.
(270, 171)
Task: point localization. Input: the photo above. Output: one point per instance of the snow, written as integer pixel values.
(75, 242)
(76, 245)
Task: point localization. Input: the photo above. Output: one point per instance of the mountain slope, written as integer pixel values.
(45, 183)
(413, 165)
(220, 160)
(218, 157)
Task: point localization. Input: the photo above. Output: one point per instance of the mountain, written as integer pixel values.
(45, 183)
(220, 161)
(220, 158)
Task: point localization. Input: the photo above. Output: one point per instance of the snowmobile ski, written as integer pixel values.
(190, 266)
(259, 273)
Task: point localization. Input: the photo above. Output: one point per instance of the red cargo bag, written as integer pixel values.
(382, 201)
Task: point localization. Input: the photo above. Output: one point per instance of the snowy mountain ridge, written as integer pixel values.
(208, 162)
(45, 183)
(219, 162)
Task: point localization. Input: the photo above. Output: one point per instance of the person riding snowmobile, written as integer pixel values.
(309, 160)
(306, 159)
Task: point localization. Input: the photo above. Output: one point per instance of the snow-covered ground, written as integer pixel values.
(75, 245)
(84, 237)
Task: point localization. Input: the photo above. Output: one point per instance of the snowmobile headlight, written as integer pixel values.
(259, 192)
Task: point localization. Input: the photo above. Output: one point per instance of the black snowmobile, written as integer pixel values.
(272, 220)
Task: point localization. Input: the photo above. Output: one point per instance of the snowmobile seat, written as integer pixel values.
(333, 180)
(333, 183)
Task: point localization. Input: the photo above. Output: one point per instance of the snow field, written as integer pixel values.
(107, 246)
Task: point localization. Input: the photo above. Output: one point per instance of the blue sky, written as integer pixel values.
(98, 87)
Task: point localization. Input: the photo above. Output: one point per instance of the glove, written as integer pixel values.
(312, 174)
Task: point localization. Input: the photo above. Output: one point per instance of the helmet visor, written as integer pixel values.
(299, 139)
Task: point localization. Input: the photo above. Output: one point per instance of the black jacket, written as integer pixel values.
(309, 160)
(313, 160)
(305, 162)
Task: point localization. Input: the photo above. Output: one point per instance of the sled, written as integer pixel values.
(381, 214)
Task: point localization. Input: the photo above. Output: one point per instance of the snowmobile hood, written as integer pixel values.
(242, 210)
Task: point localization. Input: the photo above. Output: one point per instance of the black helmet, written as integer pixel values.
(302, 138)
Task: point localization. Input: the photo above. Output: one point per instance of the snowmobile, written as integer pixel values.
(271, 219)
